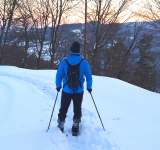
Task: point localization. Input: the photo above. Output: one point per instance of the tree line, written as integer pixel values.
(31, 31)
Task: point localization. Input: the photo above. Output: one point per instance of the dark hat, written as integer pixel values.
(75, 47)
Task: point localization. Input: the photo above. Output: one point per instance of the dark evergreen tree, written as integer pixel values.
(117, 59)
(145, 73)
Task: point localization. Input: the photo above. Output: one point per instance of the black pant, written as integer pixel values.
(65, 102)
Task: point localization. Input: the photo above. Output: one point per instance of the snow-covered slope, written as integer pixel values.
(131, 115)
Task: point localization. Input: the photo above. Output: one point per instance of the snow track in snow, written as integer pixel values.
(27, 104)
(130, 114)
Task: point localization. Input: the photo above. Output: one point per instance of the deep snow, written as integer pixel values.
(131, 115)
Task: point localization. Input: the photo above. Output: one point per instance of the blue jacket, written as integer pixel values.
(73, 59)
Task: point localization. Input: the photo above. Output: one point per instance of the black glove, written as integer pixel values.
(89, 90)
(58, 89)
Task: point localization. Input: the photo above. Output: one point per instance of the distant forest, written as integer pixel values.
(34, 35)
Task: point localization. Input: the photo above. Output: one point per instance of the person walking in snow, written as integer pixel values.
(72, 71)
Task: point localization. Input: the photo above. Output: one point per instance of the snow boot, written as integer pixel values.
(75, 131)
(75, 127)
(61, 124)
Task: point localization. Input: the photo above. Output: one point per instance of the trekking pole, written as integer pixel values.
(52, 112)
(97, 110)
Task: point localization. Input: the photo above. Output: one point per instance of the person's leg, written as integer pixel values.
(65, 102)
(77, 103)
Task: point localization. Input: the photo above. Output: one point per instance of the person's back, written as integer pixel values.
(73, 59)
(68, 93)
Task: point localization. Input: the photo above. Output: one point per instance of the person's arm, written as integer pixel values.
(59, 75)
(88, 76)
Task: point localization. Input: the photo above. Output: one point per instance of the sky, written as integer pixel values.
(130, 114)
(78, 14)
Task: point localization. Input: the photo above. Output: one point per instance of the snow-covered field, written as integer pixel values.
(131, 115)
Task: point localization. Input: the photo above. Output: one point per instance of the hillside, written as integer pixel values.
(130, 114)
(130, 33)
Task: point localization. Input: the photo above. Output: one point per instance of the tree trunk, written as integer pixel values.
(39, 58)
(25, 54)
(2, 55)
(94, 68)
(51, 62)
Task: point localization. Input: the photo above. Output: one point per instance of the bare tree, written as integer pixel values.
(7, 9)
(131, 39)
(25, 25)
(151, 13)
(150, 10)
(39, 11)
(58, 14)
(103, 16)
(145, 72)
